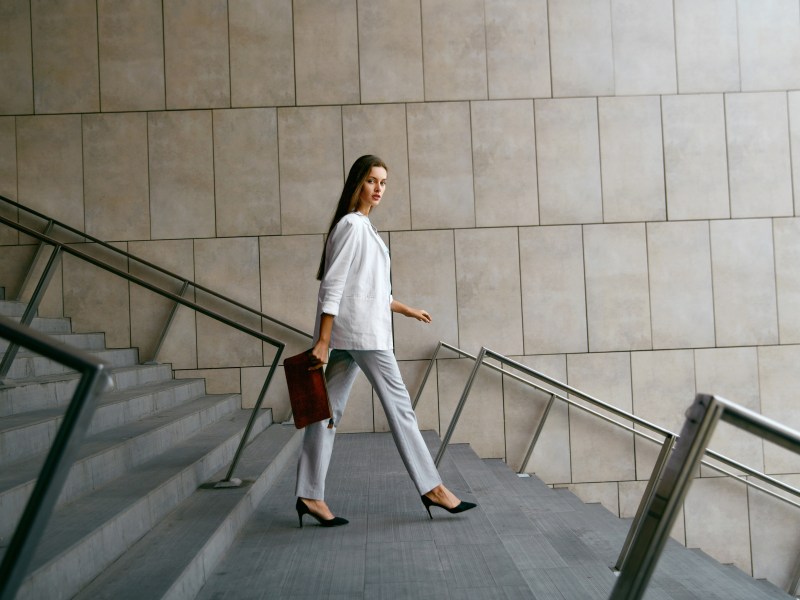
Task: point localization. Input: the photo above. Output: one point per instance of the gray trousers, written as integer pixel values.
(381, 370)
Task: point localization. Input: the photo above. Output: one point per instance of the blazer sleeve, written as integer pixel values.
(342, 245)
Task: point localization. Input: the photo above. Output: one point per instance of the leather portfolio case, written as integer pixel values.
(308, 393)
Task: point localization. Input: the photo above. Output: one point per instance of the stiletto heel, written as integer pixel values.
(302, 509)
(427, 502)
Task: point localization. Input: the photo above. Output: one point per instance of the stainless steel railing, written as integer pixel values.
(667, 443)
(661, 509)
(60, 247)
(62, 453)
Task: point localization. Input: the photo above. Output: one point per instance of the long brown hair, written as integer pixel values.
(349, 199)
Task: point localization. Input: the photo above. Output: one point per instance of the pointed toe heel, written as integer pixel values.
(302, 509)
(461, 507)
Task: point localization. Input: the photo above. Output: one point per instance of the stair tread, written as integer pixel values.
(156, 561)
(25, 471)
(76, 520)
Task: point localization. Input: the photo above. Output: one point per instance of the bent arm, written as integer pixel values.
(407, 311)
(320, 349)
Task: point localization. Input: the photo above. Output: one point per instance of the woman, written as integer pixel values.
(354, 331)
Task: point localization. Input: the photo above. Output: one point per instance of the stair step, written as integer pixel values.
(86, 536)
(29, 365)
(53, 391)
(108, 455)
(83, 341)
(27, 434)
(176, 557)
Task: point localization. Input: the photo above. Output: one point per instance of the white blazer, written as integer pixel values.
(356, 288)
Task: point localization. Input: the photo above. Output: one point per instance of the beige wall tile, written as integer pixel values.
(440, 166)
(229, 266)
(49, 167)
(630, 496)
(758, 155)
(787, 278)
(681, 294)
(632, 159)
(115, 176)
(289, 286)
(181, 174)
(14, 266)
(16, 68)
(454, 39)
(277, 397)
(518, 49)
(424, 275)
(326, 52)
(311, 171)
(581, 53)
(774, 535)
(733, 374)
(524, 409)
(717, 520)
(359, 125)
(65, 69)
(663, 384)
(794, 132)
(390, 51)
(246, 172)
(488, 284)
(481, 423)
(504, 151)
(97, 300)
(358, 416)
(8, 176)
(601, 451)
(218, 381)
(606, 494)
(150, 312)
(196, 61)
(568, 154)
(644, 47)
(742, 263)
(553, 291)
(779, 379)
(261, 52)
(131, 46)
(617, 294)
(707, 45)
(769, 44)
(695, 157)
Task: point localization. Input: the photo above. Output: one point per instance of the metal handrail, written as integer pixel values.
(604, 406)
(228, 481)
(61, 455)
(737, 416)
(51, 222)
(662, 507)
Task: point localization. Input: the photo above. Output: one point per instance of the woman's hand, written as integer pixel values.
(415, 313)
(419, 314)
(320, 353)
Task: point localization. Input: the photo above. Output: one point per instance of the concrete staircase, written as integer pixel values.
(135, 494)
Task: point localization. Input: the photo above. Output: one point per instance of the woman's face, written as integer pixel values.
(369, 196)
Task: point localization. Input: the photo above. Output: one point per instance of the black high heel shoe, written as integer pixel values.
(302, 509)
(427, 502)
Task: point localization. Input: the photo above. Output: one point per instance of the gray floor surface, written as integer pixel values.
(525, 540)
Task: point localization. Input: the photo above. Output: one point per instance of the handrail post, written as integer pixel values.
(654, 529)
(229, 480)
(47, 230)
(460, 407)
(167, 325)
(794, 580)
(537, 433)
(425, 378)
(647, 498)
(30, 310)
